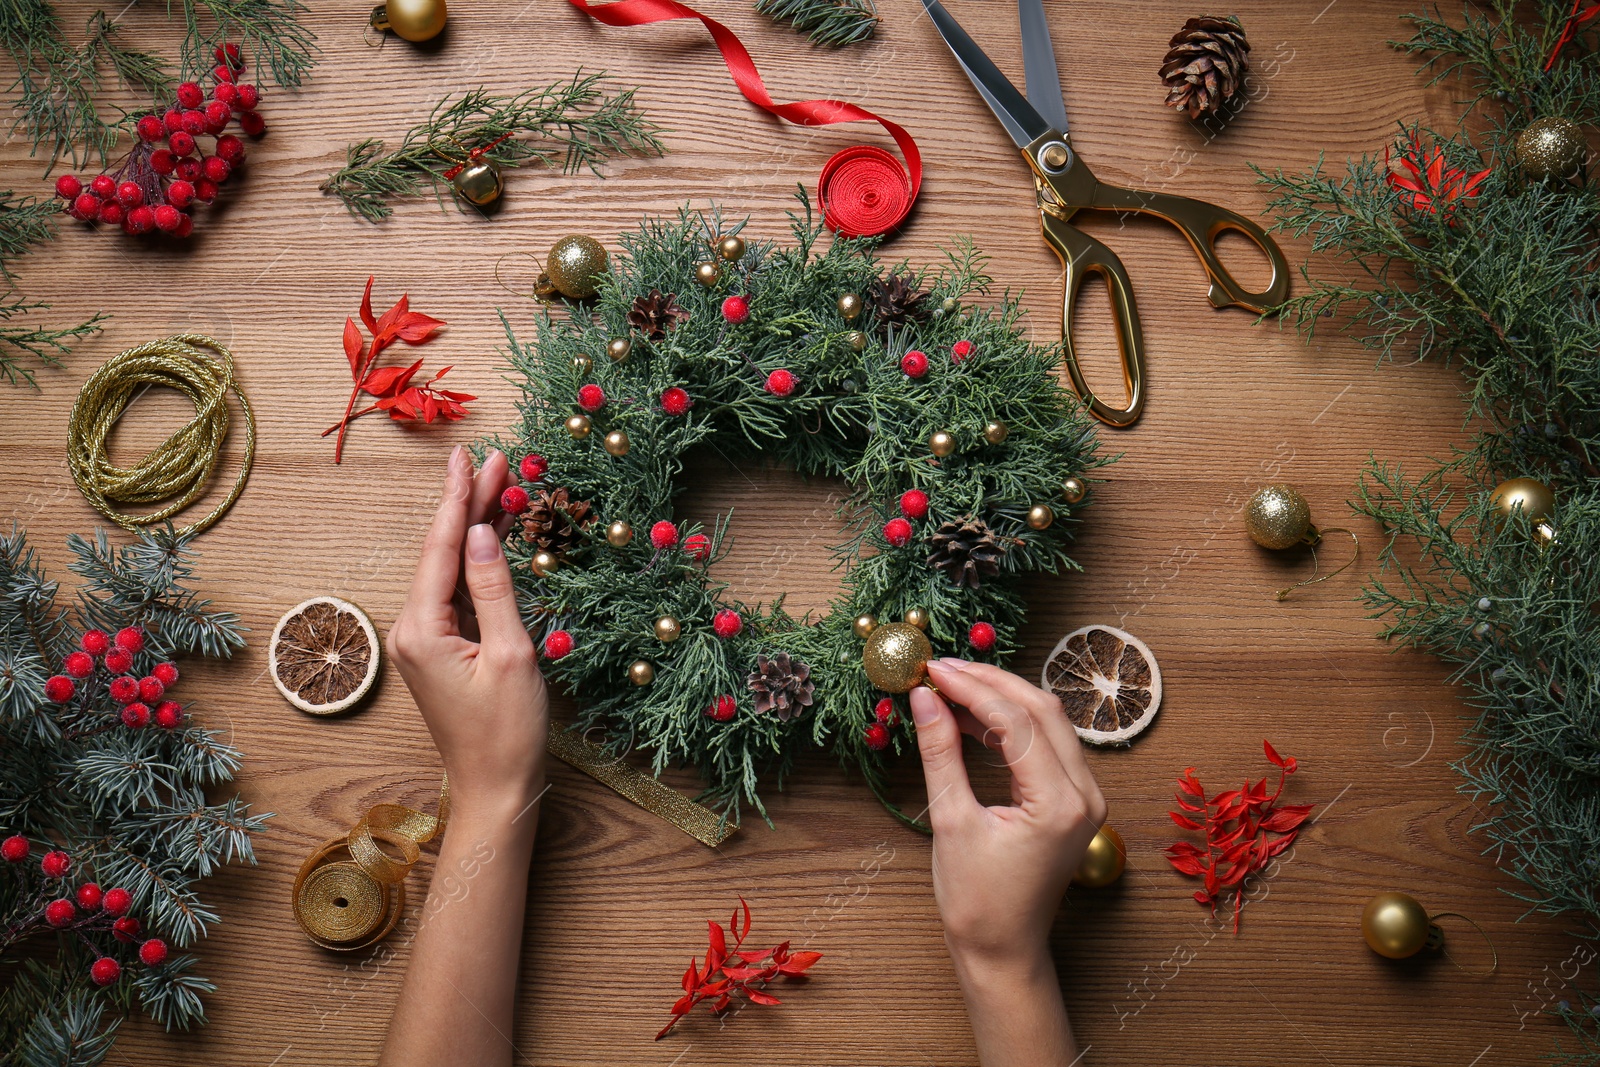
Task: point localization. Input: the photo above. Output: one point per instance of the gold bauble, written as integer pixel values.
(640, 672)
(1396, 925)
(579, 426)
(707, 273)
(618, 348)
(864, 625)
(896, 657)
(668, 629)
(1040, 516)
(1073, 490)
(1529, 495)
(573, 264)
(942, 444)
(582, 364)
(545, 564)
(849, 306)
(479, 182)
(996, 432)
(617, 443)
(917, 617)
(1104, 862)
(731, 248)
(413, 20)
(618, 534)
(1278, 517)
(1551, 147)
(857, 340)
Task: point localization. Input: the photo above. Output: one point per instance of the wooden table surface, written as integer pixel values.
(619, 899)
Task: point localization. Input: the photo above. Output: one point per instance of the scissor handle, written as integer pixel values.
(1081, 256)
(1202, 223)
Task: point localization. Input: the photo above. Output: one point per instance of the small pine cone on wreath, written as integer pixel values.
(967, 551)
(896, 300)
(782, 685)
(656, 313)
(1206, 65)
(554, 522)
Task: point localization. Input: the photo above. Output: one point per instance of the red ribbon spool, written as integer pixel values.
(864, 191)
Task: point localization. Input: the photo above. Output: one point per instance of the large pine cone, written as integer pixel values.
(1206, 65)
(967, 551)
(782, 686)
(894, 300)
(554, 522)
(655, 314)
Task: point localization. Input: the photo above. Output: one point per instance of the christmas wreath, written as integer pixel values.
(962, 449)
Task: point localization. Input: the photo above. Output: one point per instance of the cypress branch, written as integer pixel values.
(831, 23)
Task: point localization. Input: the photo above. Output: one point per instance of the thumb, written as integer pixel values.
(494, 600)
(939, 741)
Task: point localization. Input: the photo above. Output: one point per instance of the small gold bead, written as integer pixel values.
(731, 247)
(1073, 489)
(850, 306)
(668, 629)
(949, 304)
(864, 625)
(641, 672)
(995, 432)
(618, 534)
(618, 348)
(581, 363)
(707, 273)
(617, 443)
(942, 444)
(545, 564)
(918, 617)
(579, 426)
(857, 339)
(1040, 516)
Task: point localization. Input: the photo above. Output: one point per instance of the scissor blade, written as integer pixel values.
(1039, 64)
(1021, 121)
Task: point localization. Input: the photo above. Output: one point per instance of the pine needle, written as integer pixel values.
(832, 23)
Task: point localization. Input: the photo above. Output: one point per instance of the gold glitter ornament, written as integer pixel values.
(617, 443)
(1040, 516)
(942, 444)
(579, 426)
(573, 265)
(1104, 862)
(864, 625)
(411, 20)
(618, 348)
(544, 564)
(1278, 517)
(1528, 495)
(1551, 147)
(641, 672)
(917, 617)
(582, 364)
(618, 534)
(707, 273)
(857, 340)
(479, 182)
(731, 248)
(996, 432)
(1073, 490)
(849, 305)
(896, 657)
(668, 629)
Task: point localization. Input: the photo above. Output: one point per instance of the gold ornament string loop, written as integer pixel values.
(182, 465)
(500, 282)
(1494, 957)
(1312, 539)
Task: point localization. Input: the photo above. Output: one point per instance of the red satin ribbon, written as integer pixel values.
(863, 191)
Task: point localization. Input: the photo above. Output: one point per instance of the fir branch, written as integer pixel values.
(20, 341)
(269, 34)
(25, 221)
(577, 123)
(831, 23)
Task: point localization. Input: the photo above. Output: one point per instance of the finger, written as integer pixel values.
(491, 480)
(440, 562)
(494, 600)
(1046, 708)
(950, 796)
(1028, 753)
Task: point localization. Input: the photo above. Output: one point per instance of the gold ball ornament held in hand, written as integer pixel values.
(1040, 516)
(1104, 862)
(1278, 517)
(731, 248)
(849, 306)
(618, 348)
(573, 265)
(996, 432)
(917, 617)
(617, 443)
(1551, 147)
(942, 444)
(1073, 490)
(1396, 925)
(668, 629)
(864, 625)
(707, 273)
(545, 564)
(618, 534)
(896, 657)
(579, 426)
(412, 20)
(1528, 495)
(479, 182)
(640, 672)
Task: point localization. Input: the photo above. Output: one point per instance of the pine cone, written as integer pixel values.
(655, 314)
(1206, 65)
(554, 522)
(894, 300)
(782, 686)
(966, 551)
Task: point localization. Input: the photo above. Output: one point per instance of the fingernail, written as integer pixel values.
(482, 545)
(458, 457)
(950, 663)
(923, 710)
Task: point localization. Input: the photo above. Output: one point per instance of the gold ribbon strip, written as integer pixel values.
(660, 800)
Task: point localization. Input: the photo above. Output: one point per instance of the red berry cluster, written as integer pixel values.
(86, 909)
(140, 698)
(157, 185)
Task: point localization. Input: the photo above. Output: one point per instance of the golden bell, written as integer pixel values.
(1073, 490)
(707, 273)
(640, 672)
(917, 617)
(996, 432)
(544, 564)
(618, 348)
(582, 364)
(849, 306)
(1104, 861)
(896, 657)
(856, 339)
(668, 629)
(1040, 516)
(574, 264)
(1529, 495)
(864, 625)
(618, 534)
(412, 20)
(479, 182)
(1277, 517)
(1396, 925)
(617, 443)
(942, 444)
(579, 426)
(731, 248)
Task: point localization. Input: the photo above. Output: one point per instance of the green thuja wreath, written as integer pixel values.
(854, 415)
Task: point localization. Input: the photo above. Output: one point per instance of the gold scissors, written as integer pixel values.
(1037, 124)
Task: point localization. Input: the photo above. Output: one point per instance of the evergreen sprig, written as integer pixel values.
(578, 123)
(832, 23)
(22, 342)
(855, 415)
(1503, 284)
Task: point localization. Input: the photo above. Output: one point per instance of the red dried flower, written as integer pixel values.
(730, 971)
(1429, 183)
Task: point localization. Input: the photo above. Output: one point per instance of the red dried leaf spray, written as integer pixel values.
(729, 970)
(1244, 830)
(391, 387)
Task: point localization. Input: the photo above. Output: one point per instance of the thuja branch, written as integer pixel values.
(576, 123)
(24, 222)
(267, 31)
(22, 342)
(834, 23)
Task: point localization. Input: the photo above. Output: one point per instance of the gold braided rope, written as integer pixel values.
(181, 466)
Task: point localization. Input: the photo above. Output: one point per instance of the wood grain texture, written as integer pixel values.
(619, 899)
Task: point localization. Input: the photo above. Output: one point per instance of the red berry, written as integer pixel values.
(897, 532)
(117, 901)
(181, 143)
(139, 220)
(781, 383)
(736, 309)
(877, 737)
(168, 218)
(105, 971)
(126, 928)
(151, 689)
(216, 168)
(557, 644)
(120, 660)
(172, 120)
(89, 896)
(228, 56)
(981, 637)
(722, 709)
(68, 187)
(194, 122)
(914, 504)
(165, 673)
(514, 501)
(249, 97)
(960, 351)
(226, 93)
(727, 623)
(675, 401)
(884, 711)
(153, 953)
(189, 95)
(55, 864)
(104, 186)
(914, 363)
(205, 190)
(130, 638)
(532, 467)
(78, 664)
(124, 690)
(188, 169)
(163, 162)
(252, 123)
(14, 849)
(59, 913)
(185, 226)
(150, 128)
(698, 547)
(591, 398)
(58, 689)
(86, 208)
(129, 194)
(112, 213)
(218, 115)
(222, 75)
(169, 715)
(180, 194)
(663, 534)
(230, 148)
(94, 642)
(135, 716)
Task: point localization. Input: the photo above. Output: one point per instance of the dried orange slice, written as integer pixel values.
(1108, 682)
(324, 655)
